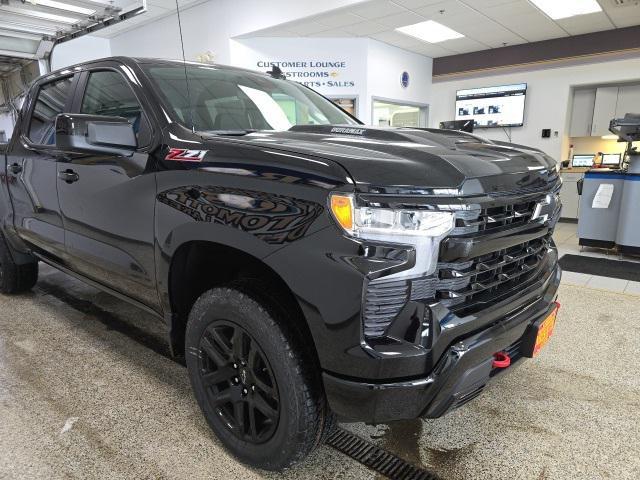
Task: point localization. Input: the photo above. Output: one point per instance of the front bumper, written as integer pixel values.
(460, 374)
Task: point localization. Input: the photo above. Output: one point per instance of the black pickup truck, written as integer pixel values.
(307, 267)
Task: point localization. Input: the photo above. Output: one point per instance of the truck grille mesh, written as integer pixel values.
(493, 218)
(467, 287)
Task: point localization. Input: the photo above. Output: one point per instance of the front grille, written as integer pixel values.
(493, 218)
(467, 286)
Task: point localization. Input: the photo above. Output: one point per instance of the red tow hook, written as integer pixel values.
(501, 360)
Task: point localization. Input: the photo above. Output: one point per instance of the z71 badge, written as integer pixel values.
(185, 155)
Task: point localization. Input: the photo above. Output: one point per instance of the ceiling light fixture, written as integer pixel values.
(567, 8)
(430, 31)
(41, 15)
(63, 6)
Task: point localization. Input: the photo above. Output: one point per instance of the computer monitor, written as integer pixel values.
(583, 160)
(611, 159)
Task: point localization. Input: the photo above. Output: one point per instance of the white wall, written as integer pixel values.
(385, 65)
(373, 67)
(209, 26)
(313, 58)
(79, 50)
(548, 99)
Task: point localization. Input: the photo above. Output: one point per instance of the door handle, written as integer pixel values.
(68, 176)
(15, 168)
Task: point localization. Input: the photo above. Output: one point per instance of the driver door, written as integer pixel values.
(107, 201)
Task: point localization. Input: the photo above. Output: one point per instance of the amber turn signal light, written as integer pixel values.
(342, 208)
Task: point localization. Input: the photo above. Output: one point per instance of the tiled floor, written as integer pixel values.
(567, 241)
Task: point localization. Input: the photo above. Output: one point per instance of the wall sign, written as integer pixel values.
(404, 79)
(322, 74)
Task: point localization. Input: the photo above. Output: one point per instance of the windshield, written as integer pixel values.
(229, 100)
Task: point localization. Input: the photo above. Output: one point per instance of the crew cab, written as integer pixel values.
(307, 267)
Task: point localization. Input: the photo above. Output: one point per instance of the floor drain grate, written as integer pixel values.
(376, 458)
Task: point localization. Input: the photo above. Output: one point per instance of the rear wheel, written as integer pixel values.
(249, 376)
(15, 278)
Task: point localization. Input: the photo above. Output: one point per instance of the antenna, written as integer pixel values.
(184, 63)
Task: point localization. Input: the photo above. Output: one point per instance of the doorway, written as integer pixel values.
(392, 114)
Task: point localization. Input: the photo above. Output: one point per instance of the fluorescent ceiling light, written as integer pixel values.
(37, 14)
(430, 31)
(63, 6)
(557, 9)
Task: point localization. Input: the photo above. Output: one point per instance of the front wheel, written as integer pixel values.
(251, 382)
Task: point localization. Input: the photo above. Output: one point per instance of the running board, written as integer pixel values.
(99, 286)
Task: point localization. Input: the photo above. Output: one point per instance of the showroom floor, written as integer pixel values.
(87, 391)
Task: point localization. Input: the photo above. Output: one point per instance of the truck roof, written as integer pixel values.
(145, 60)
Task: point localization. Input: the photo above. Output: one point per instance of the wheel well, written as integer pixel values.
(200, 266)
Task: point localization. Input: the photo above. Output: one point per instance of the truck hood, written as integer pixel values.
(413, 160)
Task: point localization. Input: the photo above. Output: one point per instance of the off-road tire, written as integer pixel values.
(303, 412)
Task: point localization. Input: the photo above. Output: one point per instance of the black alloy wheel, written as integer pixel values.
(239, 383)
(254, 377)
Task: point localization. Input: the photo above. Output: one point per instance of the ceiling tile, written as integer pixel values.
(442, 11)
(623, 16)
(593, 22)
(306, 28)
(339, 20)
(533, 27)
(512, 10)
(463, 45)
(502, 40)
(275, 32)
(413, 4)
(365, 28)
(376, 9)
(609, 6)
(431, 50)
(483, 4)
(400, 19)
(333, 33)
(470, 17)
(395, 38)
(491, 34)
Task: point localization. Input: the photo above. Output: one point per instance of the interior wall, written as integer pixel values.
(335, 67)
(589, 145)
(548, 99)
(372, 69)
(79, 50)
(385, 65)
(209, 26)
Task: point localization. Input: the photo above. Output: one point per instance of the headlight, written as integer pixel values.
(422, 229)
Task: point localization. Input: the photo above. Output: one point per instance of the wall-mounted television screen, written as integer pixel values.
(501, 106)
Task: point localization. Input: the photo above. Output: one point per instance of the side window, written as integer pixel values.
(50, 102)
(109, 94)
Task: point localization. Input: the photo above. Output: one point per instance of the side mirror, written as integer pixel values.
(99, 134)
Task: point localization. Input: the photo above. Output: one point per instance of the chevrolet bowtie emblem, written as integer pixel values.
(537, 211)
